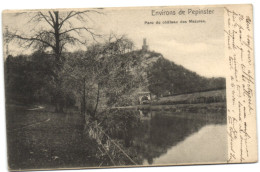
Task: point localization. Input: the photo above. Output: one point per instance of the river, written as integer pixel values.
(42, 139)
(165, 137)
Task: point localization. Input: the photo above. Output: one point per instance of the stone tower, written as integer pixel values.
(145, 46)
(6, 41)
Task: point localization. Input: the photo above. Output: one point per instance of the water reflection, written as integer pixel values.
(206, 145)
(148, 137)
(164, 137)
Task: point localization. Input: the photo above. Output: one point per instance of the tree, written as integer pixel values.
(99, 69)
(56, 30)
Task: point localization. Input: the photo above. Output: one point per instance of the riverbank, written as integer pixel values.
(40, 138)
(193, 108)
(210, 96)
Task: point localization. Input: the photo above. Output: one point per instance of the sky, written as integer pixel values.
(198, 47)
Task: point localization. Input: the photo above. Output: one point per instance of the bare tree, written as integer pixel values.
(56, 30)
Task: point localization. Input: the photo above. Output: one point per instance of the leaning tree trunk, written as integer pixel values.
(97, 101)
(84, 98)
(58, 94)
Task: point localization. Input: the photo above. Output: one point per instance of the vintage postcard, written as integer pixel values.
(127, 87)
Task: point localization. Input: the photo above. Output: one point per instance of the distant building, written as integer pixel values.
(144, 97)
(145, 46)
(6, 42)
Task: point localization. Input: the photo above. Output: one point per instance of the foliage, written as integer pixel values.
(54, 31)
(106, 75)
(167, 78)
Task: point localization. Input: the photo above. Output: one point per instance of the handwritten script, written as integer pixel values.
(241, 123)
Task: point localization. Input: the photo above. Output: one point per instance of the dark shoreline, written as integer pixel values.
(200, 107)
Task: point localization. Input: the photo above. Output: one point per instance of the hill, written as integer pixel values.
(148, 71)
(116, 80)
(163, 77)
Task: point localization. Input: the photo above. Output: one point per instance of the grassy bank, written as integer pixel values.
(43, 139)
(194, 108)
(193, 98)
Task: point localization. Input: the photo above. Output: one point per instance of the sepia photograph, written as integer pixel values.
(115, 87)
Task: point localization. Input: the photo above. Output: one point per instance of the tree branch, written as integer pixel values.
(32, 40)
(52, 18)
(62, 46)
(45, 18)
(80, 28)
(74, 39)
(66, 18)
(73, 13)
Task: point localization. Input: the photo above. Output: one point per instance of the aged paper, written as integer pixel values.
(241, 110)
(117, 87)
